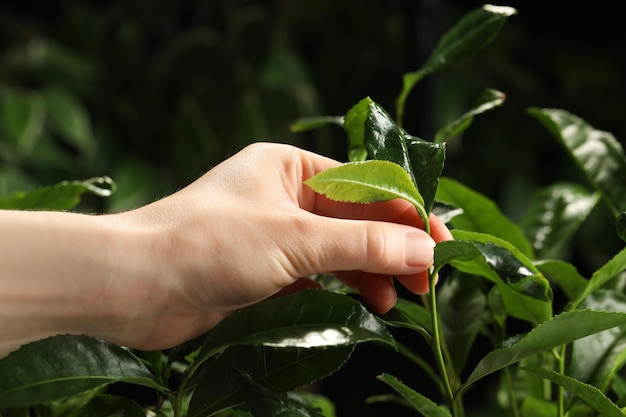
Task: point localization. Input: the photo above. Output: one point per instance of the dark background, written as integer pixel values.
(163, 90)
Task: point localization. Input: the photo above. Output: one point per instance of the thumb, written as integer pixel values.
(370, 246)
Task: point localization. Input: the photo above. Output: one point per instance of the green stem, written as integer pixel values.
(457, 410)
(508, 381)
(560, 404)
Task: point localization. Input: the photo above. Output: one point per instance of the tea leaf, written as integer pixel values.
(61, 366)
(559, 330)
(480, 214)
(588, 393)
(488, 100)
(366, 182)
(71, 119)
(62, 196)
(597, 153)
(22, 115)
(310, 123)
(110, 406)
(427, 160)
(307, 319)
(422, 404)
(564, 275)
(466, 38)
(410, 315)
(555, 213)
(281, 369)
(604, 274)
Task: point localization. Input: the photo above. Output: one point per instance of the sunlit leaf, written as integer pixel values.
(597, 153)
(61, 366)
(366, 182)
(466, 38)
(481, 214)
(555, 214)
(488, 100)
(588, 393)
(62, 196)
(281, 369)
(561, 329)
(422, 404)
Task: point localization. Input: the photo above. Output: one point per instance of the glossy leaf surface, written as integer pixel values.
(61, 366)
(588, 393)
(366, 182)
(555, 214)
(425, 406)
(307, 319)
(561, 329)
(526, 294)
(597, 153)
(488, 100)
(427, 161)
(63, 196)
(262, 402)
(480, 214)
(466, 38)
(281, 369)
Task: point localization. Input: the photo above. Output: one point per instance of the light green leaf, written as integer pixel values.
(309, 123)
(488, 100)
(62, 366)
(422, 404)
(555, 214)
(560, 330)
(537, 407)
(588, 393)
(366, 182)
(597, 153)
(62, 196)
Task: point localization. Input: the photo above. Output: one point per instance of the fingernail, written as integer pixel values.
(419, 250)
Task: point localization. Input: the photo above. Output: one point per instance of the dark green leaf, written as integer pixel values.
(555, 213)
(564, 275)
(309, 123)
(281, 369)
(466, 38)
(597, 153)
(110, 406)
(366, 182)
(264, 403)
(480, 214)
(588, 393)
(63, 196)
(450, 250)
(410, 315)
(620, 225)
(71, 119)
(526, 294)
(427, 160)
(61, 366)
(22, 116)
(560, 330)
(422, 404)
(307, 319)
(604, 274)
(488, 100)
(462, 304)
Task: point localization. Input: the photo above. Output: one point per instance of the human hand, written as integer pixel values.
(250, 229)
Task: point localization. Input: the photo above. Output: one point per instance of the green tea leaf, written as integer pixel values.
(597, 153)
(264, 403)
(22, 116)
(427, 160)
(526, 294)
(488, 100)
(71, 119)
(61, 366)
(62, 196)
(110, 406)
(561, 329)
(354, 125)
(410, 315)
(565, 275)
(281, 369)
(366, 182)
(604, 274)
(465, 39)
(588, 393)
(307, 319)
(310, 123)
(482, 215)
(462, 304)
(555, 214)
(422, 404)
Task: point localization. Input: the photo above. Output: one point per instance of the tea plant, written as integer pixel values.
(567, 363)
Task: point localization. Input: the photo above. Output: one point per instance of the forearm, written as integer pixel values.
(59, 273)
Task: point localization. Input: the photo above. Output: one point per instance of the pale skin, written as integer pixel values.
(159, 275)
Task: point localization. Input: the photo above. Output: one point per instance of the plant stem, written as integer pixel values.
(508, 380)
(560, 403)
(456, 408)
